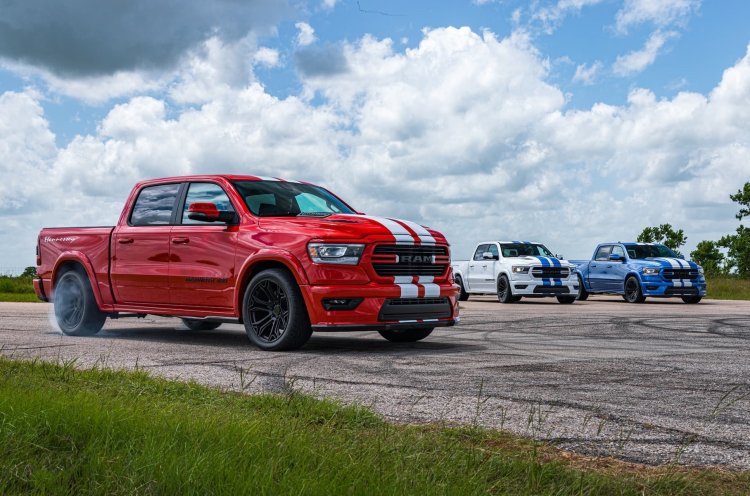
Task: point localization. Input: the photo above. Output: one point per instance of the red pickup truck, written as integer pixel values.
(284, 258)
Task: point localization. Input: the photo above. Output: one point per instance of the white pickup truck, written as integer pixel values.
(516, 269)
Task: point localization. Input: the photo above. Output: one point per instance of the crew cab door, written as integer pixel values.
(614, 277)
(202, 271)
(481, 271)
(140, 247)
(598, 268)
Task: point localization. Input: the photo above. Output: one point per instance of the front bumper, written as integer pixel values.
(525, 285)
(657, 286)
(369, 315)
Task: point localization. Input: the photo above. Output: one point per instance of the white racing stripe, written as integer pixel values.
(431, 290)
(267, 178)
(408, 288)
(424, 235)
(397, 230)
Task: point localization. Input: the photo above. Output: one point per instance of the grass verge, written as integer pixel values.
(19, 288)
(69, 431)
(19, 297)
(728, 288)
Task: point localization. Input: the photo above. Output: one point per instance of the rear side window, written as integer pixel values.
(154, 205)
(205, 193)
(603, 252)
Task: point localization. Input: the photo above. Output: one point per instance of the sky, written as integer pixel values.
(570, 122)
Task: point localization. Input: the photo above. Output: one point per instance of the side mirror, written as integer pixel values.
(208, 212)
(489, 256)
(614, 257)
(559, 257)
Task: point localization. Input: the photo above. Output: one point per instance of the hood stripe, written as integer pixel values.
(424, 235)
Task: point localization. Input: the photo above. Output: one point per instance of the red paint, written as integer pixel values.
(202, 270)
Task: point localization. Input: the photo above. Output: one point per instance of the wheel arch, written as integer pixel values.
(256, 264)
(73, 260)
(628, 276)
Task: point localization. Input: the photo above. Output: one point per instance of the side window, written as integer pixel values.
(493, 249)
(154, 205)
(205, 193)
(480, 250)
(603, 252)
(618, 250)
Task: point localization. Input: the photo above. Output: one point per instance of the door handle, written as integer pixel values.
(125, 241)
(609, 266)
(180, 241)
(485, 266)
(593, 265)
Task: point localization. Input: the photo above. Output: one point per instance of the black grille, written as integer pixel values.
(680, 274)
(415, 309)
(551, 290)
(550, 272)
(681, 291)
(410, 260)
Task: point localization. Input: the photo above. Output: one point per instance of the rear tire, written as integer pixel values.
(692, 300)
(462, 294)
(76, 311)
(566, 300)
(583, 295)
(274, 312)
(504, 291)
(200, 325)
(633, 293)
(406, 335)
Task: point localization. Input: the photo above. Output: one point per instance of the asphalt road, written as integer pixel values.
(655, 383)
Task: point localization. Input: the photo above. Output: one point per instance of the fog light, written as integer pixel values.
(341, 303)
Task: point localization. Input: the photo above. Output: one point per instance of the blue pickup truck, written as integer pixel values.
(638, 270)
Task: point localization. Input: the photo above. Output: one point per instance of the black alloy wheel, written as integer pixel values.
(566, 299)
(462, 294)
(583, 295)
(76, 311)
(633, 293)
(692, 299)
(504, 292)
(275, 316)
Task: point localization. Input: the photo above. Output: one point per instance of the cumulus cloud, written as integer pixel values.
(463, 132)
(111, 37)
(637, 60)
(587, 74)
(551, 16)
(658, 12)
(305, 34)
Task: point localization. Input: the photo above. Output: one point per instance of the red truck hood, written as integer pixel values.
(345, 226)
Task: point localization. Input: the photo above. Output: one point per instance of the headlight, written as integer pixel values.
(651, 271)
(335, 253)
(520, 269)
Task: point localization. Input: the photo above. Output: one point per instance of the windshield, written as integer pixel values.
(649, 251)
(287, 199)
(524, 250)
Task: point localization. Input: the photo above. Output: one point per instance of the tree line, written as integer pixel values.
(708, 253)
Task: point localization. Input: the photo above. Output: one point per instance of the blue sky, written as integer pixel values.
(567, 121)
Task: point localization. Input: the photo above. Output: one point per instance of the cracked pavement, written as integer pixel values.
(654, 383)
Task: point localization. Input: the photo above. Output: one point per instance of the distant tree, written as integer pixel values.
(743, 198)
(738, 245)
(707, 255)
(665, 235)
(29, 272)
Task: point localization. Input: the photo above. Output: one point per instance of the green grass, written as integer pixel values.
(67, 431)
(728, 288)
(18, 288)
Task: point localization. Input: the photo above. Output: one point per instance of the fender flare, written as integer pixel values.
(83, 260)
(280, 256)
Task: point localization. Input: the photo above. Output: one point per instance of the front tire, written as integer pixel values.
(200, 325)
(274, 312)
(406, 335)
(692, 300)
(566, 300)
(462, 294)
(583, 295)
(633, 292)
(504, 291)
(76, 311)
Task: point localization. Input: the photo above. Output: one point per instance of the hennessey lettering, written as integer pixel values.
(61, 239)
